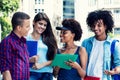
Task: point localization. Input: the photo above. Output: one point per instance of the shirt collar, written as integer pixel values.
(22, 39)
(108, 39)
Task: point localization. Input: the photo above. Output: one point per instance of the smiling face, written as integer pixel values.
(40, 26)
(99, 28)
(66, 36)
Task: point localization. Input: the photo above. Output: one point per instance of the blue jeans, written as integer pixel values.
(41, 76)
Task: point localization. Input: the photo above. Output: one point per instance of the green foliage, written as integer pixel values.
(7, 7)
(111, 35)
(5, 26)
(115, 36)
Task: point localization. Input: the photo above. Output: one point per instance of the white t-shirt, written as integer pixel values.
(95, 66)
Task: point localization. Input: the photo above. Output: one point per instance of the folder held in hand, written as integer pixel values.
(60, 60)
(32, 47)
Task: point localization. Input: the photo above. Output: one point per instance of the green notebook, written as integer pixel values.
(60, 60)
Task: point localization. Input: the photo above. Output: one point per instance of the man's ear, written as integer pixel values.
(19, 28)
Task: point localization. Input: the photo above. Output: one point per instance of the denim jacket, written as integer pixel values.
(88, 44)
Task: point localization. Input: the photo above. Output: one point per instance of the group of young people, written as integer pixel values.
(94, 55)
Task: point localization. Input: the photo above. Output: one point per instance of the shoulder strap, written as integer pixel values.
(113, 46)
(77, 51)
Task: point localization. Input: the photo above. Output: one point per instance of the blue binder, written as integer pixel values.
(32, 49)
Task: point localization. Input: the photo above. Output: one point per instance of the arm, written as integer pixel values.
(38, 65)
(7, 75)
(116, 61)
(83, 59)
(5, 59)
(80, 68)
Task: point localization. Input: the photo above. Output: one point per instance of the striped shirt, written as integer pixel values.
(14, 57)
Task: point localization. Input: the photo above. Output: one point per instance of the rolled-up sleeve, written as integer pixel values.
(5, 51)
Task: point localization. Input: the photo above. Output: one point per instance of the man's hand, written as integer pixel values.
(6, 75)
(115, 70)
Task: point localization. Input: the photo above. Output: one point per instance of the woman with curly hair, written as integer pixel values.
(71, 31)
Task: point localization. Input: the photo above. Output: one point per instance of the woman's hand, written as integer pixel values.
(41, 65)
(37, 66)
(73, 64)
(34, 59)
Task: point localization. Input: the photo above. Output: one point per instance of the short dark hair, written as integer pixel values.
(75, 26)
(105, 15)
(18, 18)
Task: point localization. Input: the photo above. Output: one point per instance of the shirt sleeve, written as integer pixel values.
(116, 54)
(5, 51)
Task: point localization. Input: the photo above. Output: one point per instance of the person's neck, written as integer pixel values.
(35, 36)
(17, 33)
(70, 46)
(101, 38)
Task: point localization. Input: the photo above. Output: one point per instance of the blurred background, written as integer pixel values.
(57, 10)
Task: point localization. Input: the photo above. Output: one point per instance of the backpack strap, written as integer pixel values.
(112, 50)
(113, 46)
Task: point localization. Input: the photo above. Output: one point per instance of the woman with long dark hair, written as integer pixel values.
(46, 49)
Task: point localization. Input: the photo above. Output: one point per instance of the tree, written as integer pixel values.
(7, 7)
(5, 26)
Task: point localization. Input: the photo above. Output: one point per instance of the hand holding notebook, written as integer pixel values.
(61, 59)
(32, 49)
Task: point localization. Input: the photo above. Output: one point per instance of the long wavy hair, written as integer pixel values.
(47, 36)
